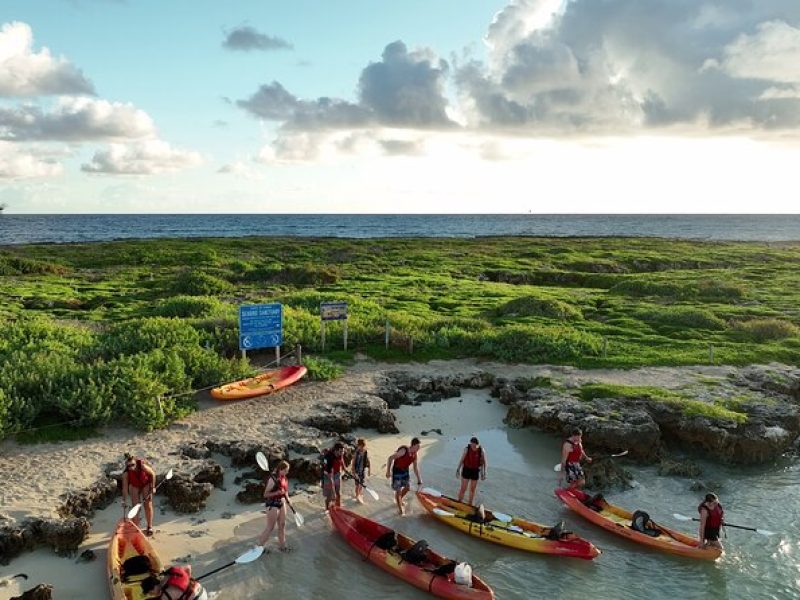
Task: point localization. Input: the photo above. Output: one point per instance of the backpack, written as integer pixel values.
(557, 531)
(387, 541)
(417, 554)
(642, 523)
(596, 502)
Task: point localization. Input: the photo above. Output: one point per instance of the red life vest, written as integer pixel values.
(576, 453)
(473, 459)
(138, 477)
(333, 463)
(715, 516)
(283, 485)
(402, 463)
(180, 578)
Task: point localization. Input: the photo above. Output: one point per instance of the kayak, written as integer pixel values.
(510, 531)
(266, 383)
(619, 521)
(369, 539)
(131, 559)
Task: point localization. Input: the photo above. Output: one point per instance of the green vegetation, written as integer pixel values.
(322, 369)
(125, 330)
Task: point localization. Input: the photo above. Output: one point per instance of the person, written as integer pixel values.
(398, 466)
(333, 466)
(139, 482)
(471, 466)
(571, 456)
(712, 518)
(361, 468)
(275, 493)
(175, 583)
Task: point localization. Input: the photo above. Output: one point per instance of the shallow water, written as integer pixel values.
(521, 481)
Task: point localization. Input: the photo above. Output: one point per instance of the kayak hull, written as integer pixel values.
(261, 385)
(129, 542)
(519, 533)
(361, 533)
(618, 521)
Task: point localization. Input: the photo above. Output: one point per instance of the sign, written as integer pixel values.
(333, 311)
(260, 326)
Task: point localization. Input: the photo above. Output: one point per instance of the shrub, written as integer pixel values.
(188, 306)
(682, 317)
(322, 369)
(714, 289)
(199, 283)
(524, 343)
(143, 335)
(648, 287)
(220, 334)
(763, 330)
(530, 306)
(17, 265)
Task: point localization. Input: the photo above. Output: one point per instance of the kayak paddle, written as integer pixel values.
(167, 477)
(760, 531)
(369, 490)
(514, 528)
(247, 557)
(557, 468)
(131, 514)
(8, 580)
(264, 464)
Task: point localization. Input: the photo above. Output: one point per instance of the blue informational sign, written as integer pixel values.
(260, 326)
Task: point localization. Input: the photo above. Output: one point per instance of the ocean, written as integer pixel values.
(27, 229)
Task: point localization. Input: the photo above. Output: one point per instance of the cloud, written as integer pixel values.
(17, 162)
(24, 72)
(404, 89)
(772, 54)
(143, 158)
(393, 147)
(76, 119)
(247, 38)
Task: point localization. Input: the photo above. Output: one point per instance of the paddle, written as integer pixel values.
(514, 528)
(369, 490)
(557, 467)
(760, 531)
(247, 557)
(264, 464)
(7, 580)
(167, 477)
(131, 514)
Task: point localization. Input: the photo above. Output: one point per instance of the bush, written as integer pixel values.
(648, 287)
(681, 317)
(17, 265)
(530, 306)
(322, 369)
(143, 335)
(521, 343)
(763, 330)
(198, 283)
(188, 306)
(220, 334)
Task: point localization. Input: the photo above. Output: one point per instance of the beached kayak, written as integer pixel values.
(508, 531)
(131, 558)
(619, 521)
(266, 383)
(392, 552)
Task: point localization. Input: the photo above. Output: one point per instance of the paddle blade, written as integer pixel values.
(250, 555)
(766, 532)
(557, 468)
(372, 493)
(442, 513)
(623, 453)
(503, 517)
(299, 520)
(262, 461)
(431, 492)
(134, 511)
(681, 517)
(169, 475)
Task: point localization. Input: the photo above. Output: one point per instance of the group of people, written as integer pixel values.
(138, 484)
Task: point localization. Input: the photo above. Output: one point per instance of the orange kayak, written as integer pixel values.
(263, 384)
(367, 538)
(131, 559)
(618, 521)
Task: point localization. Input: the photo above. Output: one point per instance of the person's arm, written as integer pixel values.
(702, 530)
(152, 475)
(461, 462)
(389, 463)
(586, 456)
(416, 471)
(484, 464)
(269, 492)
(368, 465)
(564, 455)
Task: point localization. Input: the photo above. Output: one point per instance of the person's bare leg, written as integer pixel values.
(282, 527)
(148, 511)
(272, 517)
(462, 489)
(473, 485)
(135, 499)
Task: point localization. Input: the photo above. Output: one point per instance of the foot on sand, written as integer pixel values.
(286, 549)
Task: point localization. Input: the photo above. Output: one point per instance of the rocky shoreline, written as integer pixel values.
(295, 425)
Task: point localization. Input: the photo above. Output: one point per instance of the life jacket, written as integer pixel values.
(180, 578)
(575, 454)
(402, 463)
(473, 459)
(360, 461)
(138, 477)
(282, 484)
(715, 516)
(332, 463)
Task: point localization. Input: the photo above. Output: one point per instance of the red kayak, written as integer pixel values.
(266, 383)
(404, 558)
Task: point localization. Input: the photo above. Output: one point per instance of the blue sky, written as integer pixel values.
(517, 106)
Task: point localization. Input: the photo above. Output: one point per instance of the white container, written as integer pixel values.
(463, 574)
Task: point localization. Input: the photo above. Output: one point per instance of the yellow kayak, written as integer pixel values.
(131, 559)
(266, 383)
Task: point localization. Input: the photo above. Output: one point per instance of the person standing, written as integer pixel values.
(712, 518)
(398, 466)
(361, 468)
(471, 467)
(572, 454)
(139, 483)
(333, 466)
(275, 493)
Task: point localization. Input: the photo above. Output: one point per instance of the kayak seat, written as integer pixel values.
(642, 523)
(387, 541)
(596, 502)
(445, 569)
(558, 532)
(417, 554)
(136, 568)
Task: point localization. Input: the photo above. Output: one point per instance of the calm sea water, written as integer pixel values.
(25, 229)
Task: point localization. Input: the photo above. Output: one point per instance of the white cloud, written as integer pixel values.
(143, 158)
(24, 72)
(17, 162)
(773, 53)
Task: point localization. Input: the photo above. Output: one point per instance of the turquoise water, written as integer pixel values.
(521, 481)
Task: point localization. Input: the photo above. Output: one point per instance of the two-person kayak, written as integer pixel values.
(131, 560)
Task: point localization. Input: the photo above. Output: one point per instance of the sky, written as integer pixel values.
(334, 106)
